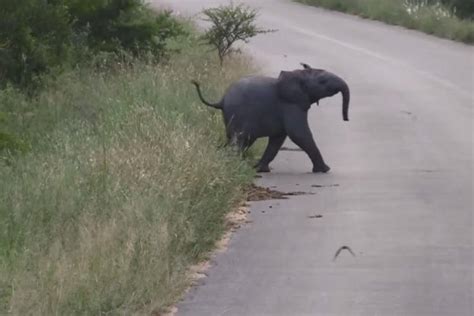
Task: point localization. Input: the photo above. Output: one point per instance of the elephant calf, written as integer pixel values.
(258, 106)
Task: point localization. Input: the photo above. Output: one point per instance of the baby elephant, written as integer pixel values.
(258, 106)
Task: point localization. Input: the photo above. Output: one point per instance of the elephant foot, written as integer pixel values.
(262, 169)
(323, 169)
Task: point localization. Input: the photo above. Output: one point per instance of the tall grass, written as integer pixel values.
(122, 190)
(431, 18)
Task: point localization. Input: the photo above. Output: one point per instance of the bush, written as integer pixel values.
(37, 36)
(230, 24)
(115, 25)
(34, 36)
(462, 8)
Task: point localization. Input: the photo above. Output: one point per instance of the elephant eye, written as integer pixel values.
(322, 81)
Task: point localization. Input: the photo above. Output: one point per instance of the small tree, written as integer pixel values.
(230, 24)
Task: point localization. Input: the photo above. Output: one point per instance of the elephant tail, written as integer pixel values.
(213, 105)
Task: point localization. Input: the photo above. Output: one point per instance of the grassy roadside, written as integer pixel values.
(123, 187)
(431, 19)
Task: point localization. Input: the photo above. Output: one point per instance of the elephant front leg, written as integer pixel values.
(299, 132)
(274, 145)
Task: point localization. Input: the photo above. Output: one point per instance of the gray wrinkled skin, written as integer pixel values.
(277, 108)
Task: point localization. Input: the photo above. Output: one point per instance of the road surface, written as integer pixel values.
(399, 193)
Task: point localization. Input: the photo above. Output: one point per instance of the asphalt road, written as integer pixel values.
(399, 193)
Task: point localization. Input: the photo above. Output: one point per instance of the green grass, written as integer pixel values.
(431, 19)
(122, 189)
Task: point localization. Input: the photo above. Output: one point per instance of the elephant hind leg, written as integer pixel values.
(273, 146)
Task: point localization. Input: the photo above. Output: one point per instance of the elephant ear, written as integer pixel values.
(290, 86)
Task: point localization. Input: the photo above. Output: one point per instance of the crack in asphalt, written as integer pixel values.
(325, 185)
(290, 149)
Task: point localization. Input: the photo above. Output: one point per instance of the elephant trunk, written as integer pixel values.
(346, 96)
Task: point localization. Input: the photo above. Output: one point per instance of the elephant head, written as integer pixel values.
(307, 86)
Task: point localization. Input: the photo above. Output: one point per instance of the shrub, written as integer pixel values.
(37, 36)
(462, 8)
(34, 36)
(230, 24)
(115, 25)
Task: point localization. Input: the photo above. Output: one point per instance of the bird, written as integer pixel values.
(341, 249)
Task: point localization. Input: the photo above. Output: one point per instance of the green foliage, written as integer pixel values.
(230, 24)
(430, 16)
(462, 8)
(34, 36)
(115, 25)
(41, 36)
